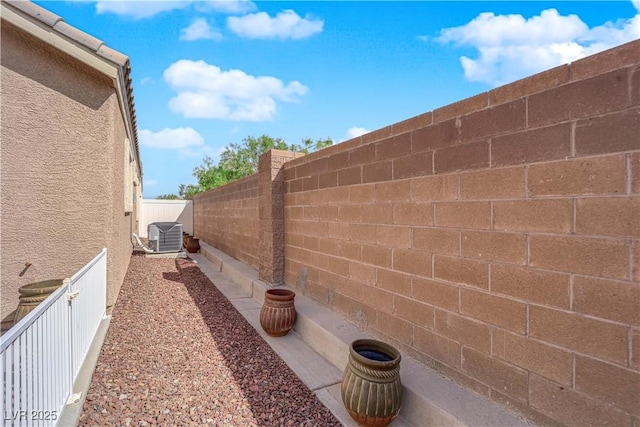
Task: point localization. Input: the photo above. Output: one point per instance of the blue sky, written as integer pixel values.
(210, 73)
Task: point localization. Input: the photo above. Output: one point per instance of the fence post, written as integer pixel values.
(271, 189)
(73, 397)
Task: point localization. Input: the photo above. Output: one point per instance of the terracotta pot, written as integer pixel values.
(371, 388)
(193, 245)
(278, 313)
(33, 294)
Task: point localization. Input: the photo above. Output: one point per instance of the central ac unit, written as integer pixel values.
(165, 236)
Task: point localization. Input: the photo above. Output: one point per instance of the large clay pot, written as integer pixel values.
(278, 313)
(371, 388)
(193, 245)
(33, 294)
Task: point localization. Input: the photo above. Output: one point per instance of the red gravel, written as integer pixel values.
(178, 353)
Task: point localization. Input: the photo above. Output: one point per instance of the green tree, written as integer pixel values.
(243, 158)
(240, 160)
(188, 191)
(309, 145)
(212, 176)
(168, 197)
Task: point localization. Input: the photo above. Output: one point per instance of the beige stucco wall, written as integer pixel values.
(61, 168)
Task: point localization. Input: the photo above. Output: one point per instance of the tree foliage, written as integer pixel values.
(240, 160)
(243, 158)
(187, 191)
(168, 197)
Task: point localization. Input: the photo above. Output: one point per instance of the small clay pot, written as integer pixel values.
(278, 313)
(371, 388)
(193, 245)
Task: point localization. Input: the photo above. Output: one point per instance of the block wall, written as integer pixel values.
(227, 218)
(496, 240)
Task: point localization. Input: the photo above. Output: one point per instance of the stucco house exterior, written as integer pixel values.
(70, 170)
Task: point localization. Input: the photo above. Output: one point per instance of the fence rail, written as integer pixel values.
(42, 354)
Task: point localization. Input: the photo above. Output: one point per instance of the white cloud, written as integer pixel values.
(286, 25)
(491, 30)
(150, 182)
(512, 47)
(138, 9)
(227, 6)
(355, 131)
(206, 91)
(198, 30)
(171, 139)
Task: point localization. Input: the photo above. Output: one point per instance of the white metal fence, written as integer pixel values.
(154, 210)
(42, 354)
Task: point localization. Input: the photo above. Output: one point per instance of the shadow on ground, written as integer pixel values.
(275, 394)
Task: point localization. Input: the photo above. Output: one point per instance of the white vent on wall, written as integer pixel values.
(165, 236)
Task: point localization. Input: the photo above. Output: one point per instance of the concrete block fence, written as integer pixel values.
(496, 240)
(228, 218)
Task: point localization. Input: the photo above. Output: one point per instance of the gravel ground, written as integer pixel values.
(178, 353)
